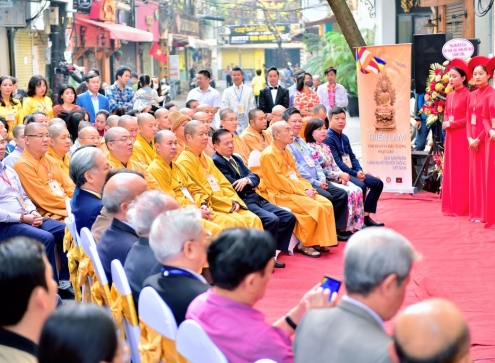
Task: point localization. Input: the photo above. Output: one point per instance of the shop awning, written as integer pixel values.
(119, 31)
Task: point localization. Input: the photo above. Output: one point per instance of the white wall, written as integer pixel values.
(4, 56)
(385, 22)
(483, 32)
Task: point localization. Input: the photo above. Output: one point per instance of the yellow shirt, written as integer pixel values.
(255, 140)
(36, 104)
(241, 148)
(64, 163)
(134, 165)
(258, 83)
(143, 151)
(35, 175)
(180, 148)
(13, 114)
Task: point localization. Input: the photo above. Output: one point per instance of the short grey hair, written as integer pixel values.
(113, 198)
(82, 161)
(172, 229)
(373, 254)
(146, 208)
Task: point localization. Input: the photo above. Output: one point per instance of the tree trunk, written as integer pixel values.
(347, 24)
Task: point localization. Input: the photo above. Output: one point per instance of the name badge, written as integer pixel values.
(213, 183)
(310, 161)
(55, 187)
(293, 176)
(186, 193)
(451, 118)
(347, 160)
(10, 116)
(21, 202)
(493, 123)
(473, 119)
(240, 108)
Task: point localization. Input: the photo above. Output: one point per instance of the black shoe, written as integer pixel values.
(368, 222)
(279, 264)
(66, 293)
(341, 237)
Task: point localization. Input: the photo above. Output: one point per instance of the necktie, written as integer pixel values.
(234, 164)
(273, 87)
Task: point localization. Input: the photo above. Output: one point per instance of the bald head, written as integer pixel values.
(277, 112)
(119, 192)
(83, 125)
(433, 330)
(160, 135)
(34, 128)
(203, 108)
(278, 127)
(130, 124)
(56, 121)
(112, 121)
(89, 136)
(56, 130)
(144, 118)
(187, 111)
(201, 116)
(191, 127)
(166, 145)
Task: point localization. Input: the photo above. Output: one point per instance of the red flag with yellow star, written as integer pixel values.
(157, 53)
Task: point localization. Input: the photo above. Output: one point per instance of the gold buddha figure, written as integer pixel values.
(384, 100)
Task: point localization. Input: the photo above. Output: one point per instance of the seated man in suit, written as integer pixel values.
(241, 263)
(273, 94)
(140, 262)
(179, 243)
(91, 100)
(29, 296)
(431, 331)
(348, 163)
(377, 263)
(88, 169)
(118, 194)
(279, 222)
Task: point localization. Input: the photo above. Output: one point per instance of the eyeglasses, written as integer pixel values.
(40, 136)
(124, 139)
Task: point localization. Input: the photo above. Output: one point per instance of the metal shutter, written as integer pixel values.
(23, 57)
(455, 18)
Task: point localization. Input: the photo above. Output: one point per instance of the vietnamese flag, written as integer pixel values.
(157, 53)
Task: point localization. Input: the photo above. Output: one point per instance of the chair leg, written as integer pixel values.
(294, 241)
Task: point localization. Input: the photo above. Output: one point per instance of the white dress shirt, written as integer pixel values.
(12, 157)
(209, 97)
(341, 99)
(239, 99)
(10, 207)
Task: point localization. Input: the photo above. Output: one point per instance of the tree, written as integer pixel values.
(347, 24)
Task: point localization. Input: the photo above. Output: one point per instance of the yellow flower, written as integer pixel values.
(448, 89)
(434, 95)
(432, 77)
(445, 78)
(427, 97)
(440, 109)
(446, 63)
(438, 78)
(439, 87)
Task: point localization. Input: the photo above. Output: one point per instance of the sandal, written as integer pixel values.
(308, 251)
(321, 249)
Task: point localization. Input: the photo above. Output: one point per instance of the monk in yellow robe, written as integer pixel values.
(120, 150)
(144, 146)
(177, 122)
(229, 122)
(255, 135)
(204, 173)
(175, 181)
(285, 187)
(42, 178)
(60, 144)
(206, 118)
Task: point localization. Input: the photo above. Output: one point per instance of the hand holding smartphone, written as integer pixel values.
(330, 283)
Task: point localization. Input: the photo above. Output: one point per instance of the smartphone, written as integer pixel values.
(330, 283)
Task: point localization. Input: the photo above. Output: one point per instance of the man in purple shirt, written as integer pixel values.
(241, 263)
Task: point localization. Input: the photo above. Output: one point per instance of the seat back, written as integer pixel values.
(70, 222)
(254, 159)
(196, 346)
(155, 313)
(121, 284)
(68, 207)
(89, 246)
(265, 361)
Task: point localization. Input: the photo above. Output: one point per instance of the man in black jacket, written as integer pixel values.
(279, 222)
(273, 94)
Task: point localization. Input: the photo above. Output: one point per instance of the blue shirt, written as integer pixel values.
(340, 145)
(119, 98)
(95, 101)
(301, 151)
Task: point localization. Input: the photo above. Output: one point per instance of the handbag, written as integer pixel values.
(432, 183)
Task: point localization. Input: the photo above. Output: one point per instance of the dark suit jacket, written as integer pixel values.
(344, 334)
(84, 100)
(115, 243)
(85, 207)
(266, 101)
(177, 291)
(139, 265)
(231, 174)
(335, 141)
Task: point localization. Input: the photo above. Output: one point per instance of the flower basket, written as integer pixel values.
(437, 88)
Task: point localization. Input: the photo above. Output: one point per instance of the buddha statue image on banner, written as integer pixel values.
(384, 100)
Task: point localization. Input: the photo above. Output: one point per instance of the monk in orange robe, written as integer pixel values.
(229, 121)
(255, 135)
(59, 146)
(144, 146)
(315, 226)
(177, 123)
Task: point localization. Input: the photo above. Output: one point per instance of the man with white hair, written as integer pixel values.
(377, 264)
(118, 194)
(88, 170)
(182, 255)
(140, 262)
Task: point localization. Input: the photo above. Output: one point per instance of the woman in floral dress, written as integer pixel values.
(314, 134)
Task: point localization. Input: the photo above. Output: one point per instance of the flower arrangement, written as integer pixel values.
(438, 169)
(437, 88)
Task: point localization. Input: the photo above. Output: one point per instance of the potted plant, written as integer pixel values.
(333, 51)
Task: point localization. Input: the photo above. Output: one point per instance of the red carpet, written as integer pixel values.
(458, 263)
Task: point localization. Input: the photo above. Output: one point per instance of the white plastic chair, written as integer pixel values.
(254, 159)
(89, 246)
(196, 346)
(155, 313)
(132, 333)
(70, 222)
(68, 207)
(265, 361)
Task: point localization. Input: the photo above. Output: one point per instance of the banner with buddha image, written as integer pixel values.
(384, 92)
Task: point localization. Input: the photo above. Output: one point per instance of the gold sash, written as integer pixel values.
(122, 306)
(154, 347)
(73, 260)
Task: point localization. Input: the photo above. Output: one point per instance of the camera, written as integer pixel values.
(65, 68)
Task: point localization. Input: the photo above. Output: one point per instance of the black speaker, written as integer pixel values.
(476, 42)
(427, 49)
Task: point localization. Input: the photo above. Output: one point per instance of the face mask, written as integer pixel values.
(308, 83)
(155, 85)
